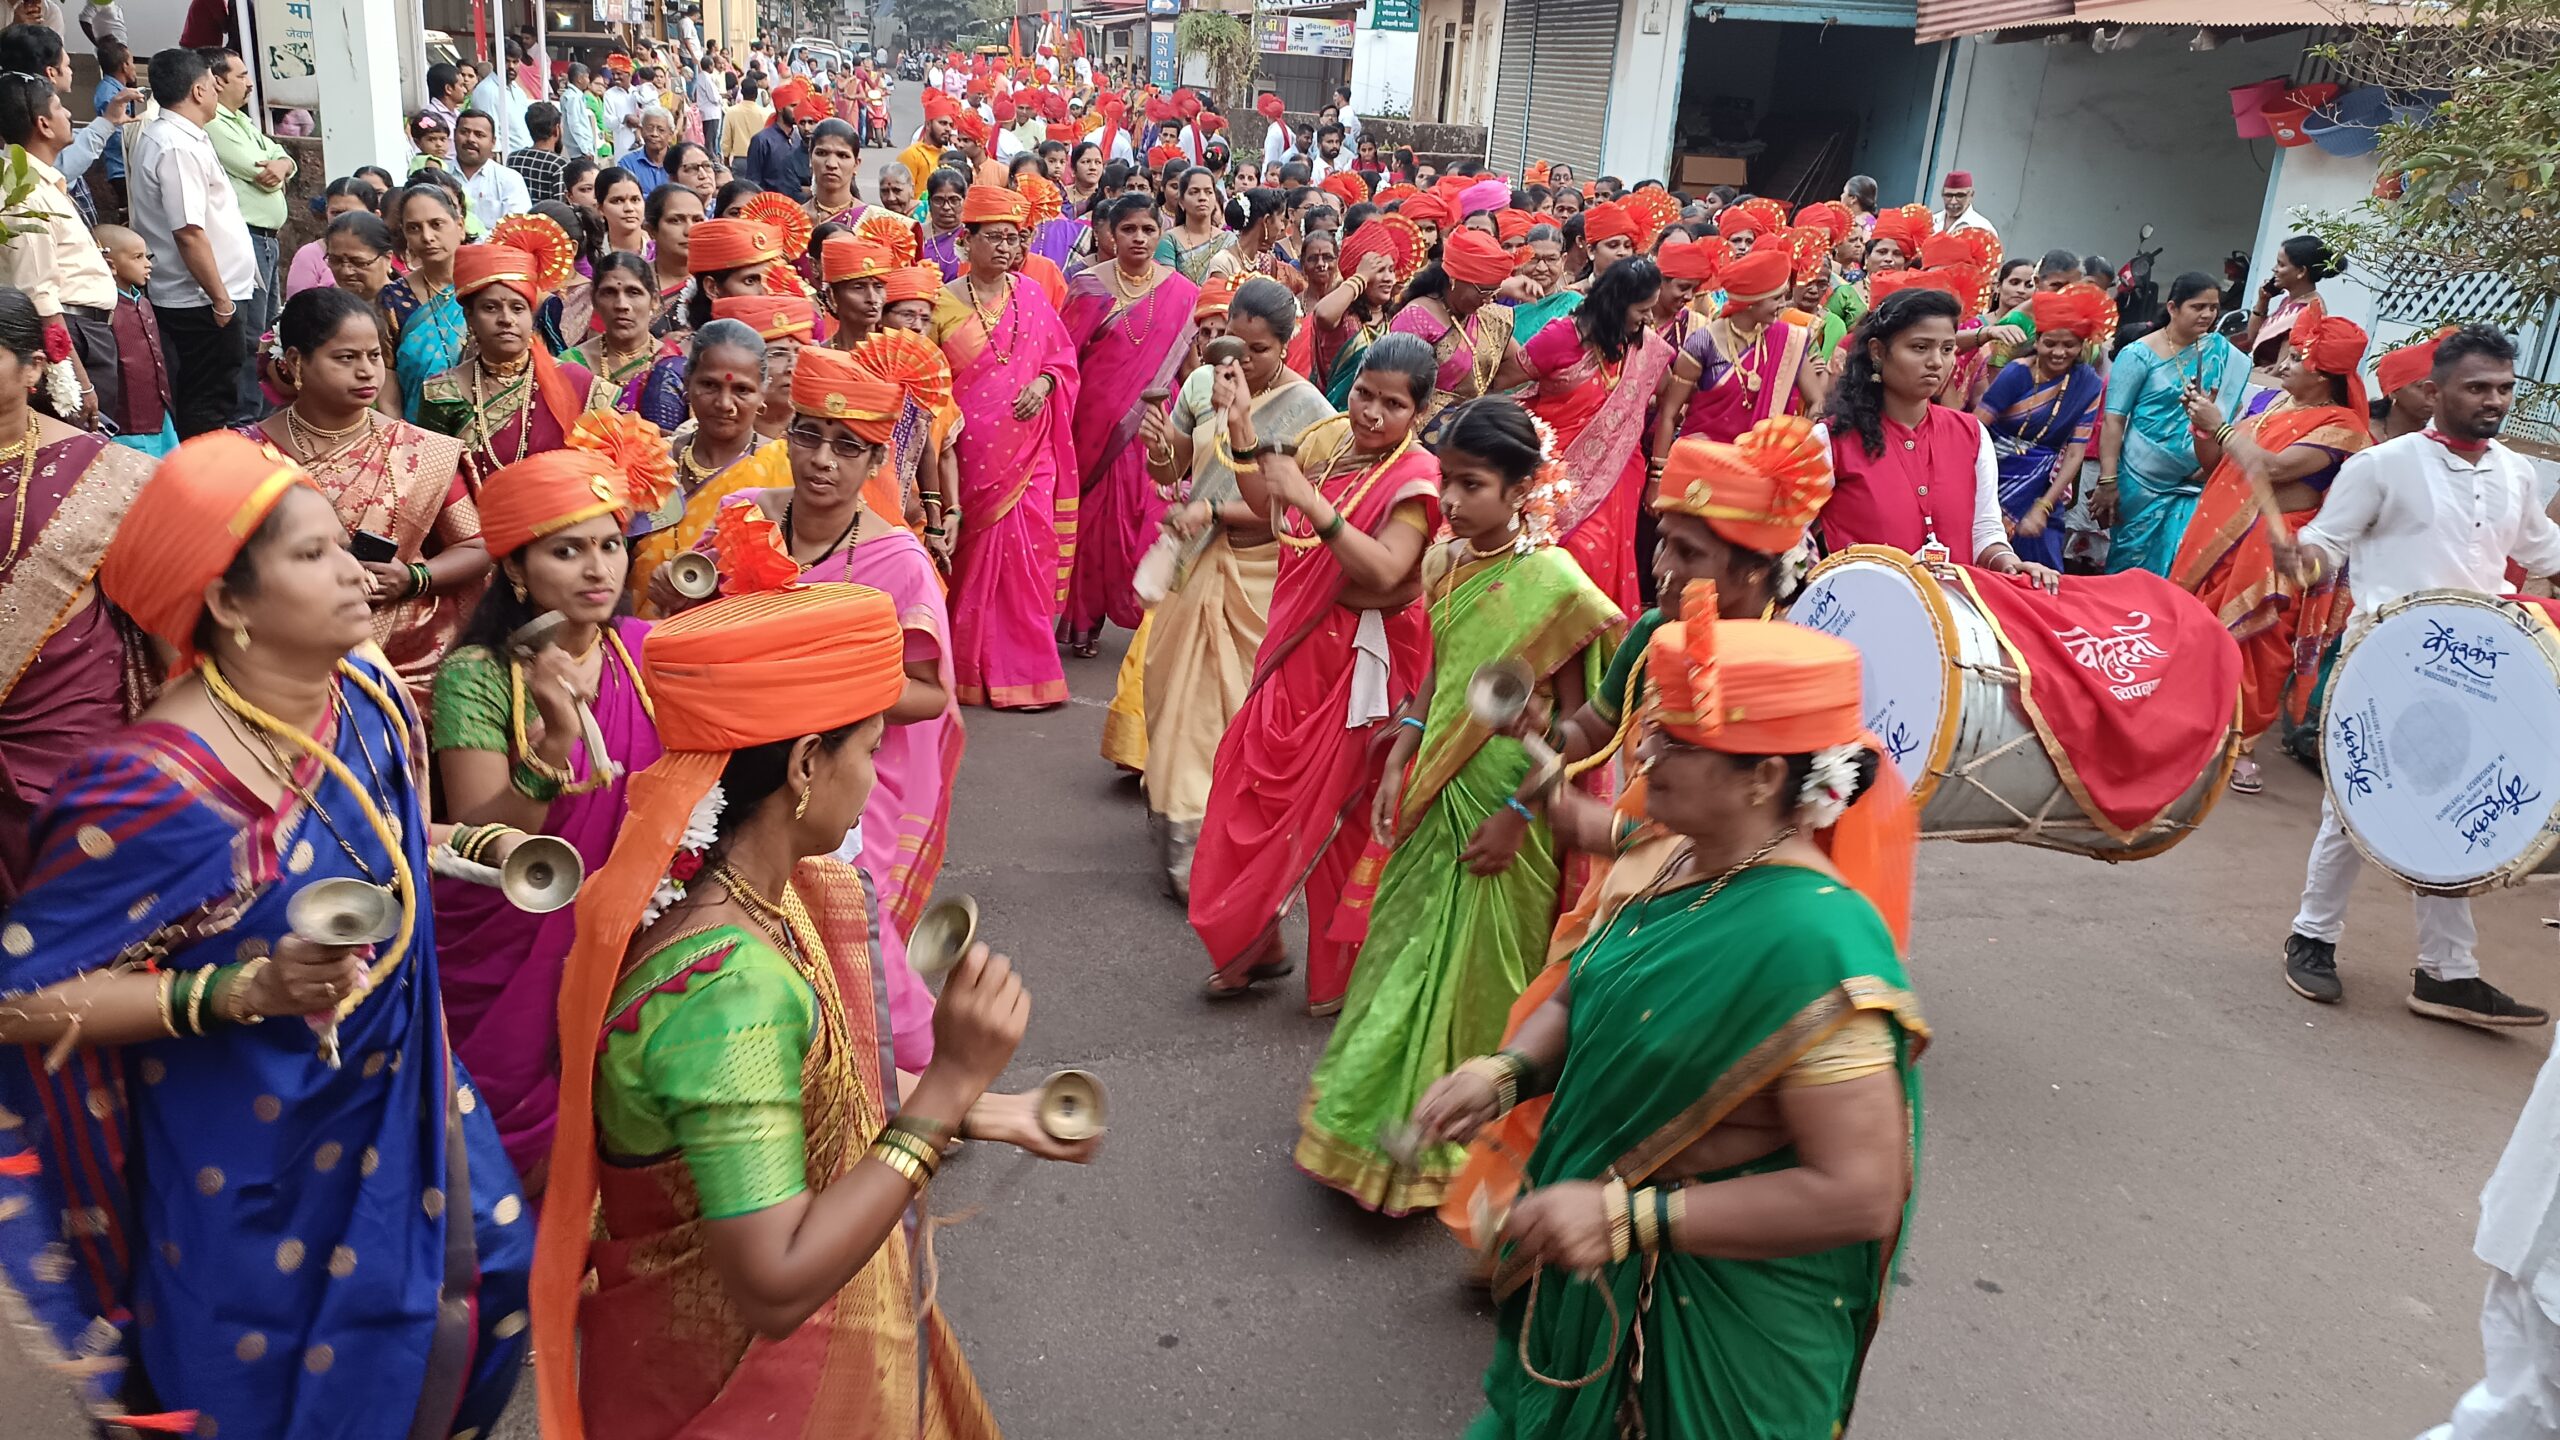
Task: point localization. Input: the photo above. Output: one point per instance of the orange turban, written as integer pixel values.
(2081, 309)
(1691, 260)
(744, 670)
(190, 521)
(938, 105)
(2333, 345)
(775, 317)
(1751, 687)
(850, 257)
(1216, 294)
(914, 282)
(1904, 229)
(1755, 276)
(972, 126)
(993, 205)
(1828, 216)
(789, 93)
(1434, 208)
(826, 385)
(477, 267)
(908, 361)
(1733, 220)
(730, 243)
(2409, 364)
(1474, 257)
(1607, 220)
(1346, 186)
(1511, 226)
(613, 464)
(1945, 282)
(1761, 492)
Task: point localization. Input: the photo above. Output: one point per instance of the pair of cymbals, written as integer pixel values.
(1071, 1105)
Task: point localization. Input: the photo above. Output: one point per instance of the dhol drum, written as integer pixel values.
(1943, 697)
(2440, 741)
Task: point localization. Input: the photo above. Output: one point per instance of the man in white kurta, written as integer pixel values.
(2518, 1397)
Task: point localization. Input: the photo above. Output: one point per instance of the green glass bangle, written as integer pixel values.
(1333, 529)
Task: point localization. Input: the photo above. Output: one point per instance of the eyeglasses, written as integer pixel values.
(847, 447)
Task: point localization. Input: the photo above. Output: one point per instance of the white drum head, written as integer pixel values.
(2441, 742)
(1878, 607)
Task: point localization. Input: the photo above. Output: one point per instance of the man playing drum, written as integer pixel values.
(2443, 508)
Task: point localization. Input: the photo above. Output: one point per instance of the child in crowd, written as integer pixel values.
(144, 422)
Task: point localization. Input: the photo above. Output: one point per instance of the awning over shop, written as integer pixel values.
(1946, 19)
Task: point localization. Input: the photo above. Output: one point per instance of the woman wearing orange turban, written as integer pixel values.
(1746, 364)
(828, 513)
(153, 956)
(2042, 411)
(506, 398)
(755, 1269)
(1448, 306)
(1014, 375)
(855, 274)
(511, 746)
(1803, 1034)
(2273, 467)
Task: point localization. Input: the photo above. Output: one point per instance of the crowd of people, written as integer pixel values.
(342, 575)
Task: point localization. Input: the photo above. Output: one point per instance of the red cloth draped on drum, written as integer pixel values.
(2131, 683)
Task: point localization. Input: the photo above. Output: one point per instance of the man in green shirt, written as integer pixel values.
(258, 168)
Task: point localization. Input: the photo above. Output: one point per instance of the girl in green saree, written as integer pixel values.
(1726, 1169)
(1463, 905)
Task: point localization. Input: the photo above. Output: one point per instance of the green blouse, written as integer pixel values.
(1624, 666)
(702, 1055)
(473, 703)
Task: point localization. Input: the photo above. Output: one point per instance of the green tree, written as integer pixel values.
(940, 22)
(1227, 43)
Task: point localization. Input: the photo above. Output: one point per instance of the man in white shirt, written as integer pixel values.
(619, 104)
(499, 97)
(496, 191)
(54, 258)
(1331, 157)
(1955, 200)
(2443, 509)
(37, 50)
(184, 209)
(2518, 1398)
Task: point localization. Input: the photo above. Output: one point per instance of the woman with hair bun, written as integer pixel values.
(1467, 895)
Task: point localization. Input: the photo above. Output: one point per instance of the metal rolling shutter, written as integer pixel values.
(1553, 97)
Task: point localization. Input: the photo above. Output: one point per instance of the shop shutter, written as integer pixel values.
(1552, 102)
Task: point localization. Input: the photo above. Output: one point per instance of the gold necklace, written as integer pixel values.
(23, 451)
(521, 410)
(1662, 885)
(1348, 503)
(768, 915)
(986, 322)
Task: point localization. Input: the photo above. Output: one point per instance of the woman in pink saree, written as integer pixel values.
(1291, 790)
(1130, 319)
(1472, 349)
(509, 749)
(1014, 373)
(821, 522)
(1745, 365)
(1598, 372)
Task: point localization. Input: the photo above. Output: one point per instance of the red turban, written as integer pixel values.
(1828, 216)
(1216, 294)
(1432, 208)
(1755, 276)
(1607, 220)
(1187, 102)
(731, 243)
(190, 520)
(993, 204)
(973, 126)
(1063, 134)
(1346, 186)
(1691, 260)
(2333, 345)
(775, 317)
(1512, 226)
(2082, 310)
(1474, 257)
(1004, 110)
(2409, 364)
(613, 464)
(938, 105)
(1271, 106)
(1902, 228)
(1946, 282)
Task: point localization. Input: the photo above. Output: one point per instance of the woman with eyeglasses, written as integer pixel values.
(359, 250)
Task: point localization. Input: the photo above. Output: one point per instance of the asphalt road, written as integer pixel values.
(2161, 1198)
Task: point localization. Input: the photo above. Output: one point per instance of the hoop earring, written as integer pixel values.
(801, 810)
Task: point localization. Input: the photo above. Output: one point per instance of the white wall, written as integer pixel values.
(2309, 178)
(1384, 64)
(1644, 94)
(2077, 150)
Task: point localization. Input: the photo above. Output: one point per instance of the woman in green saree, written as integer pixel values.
(1464, 903)
(1726, 1168)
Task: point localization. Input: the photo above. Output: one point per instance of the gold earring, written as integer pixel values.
(801, 810)
(240, 635)
(518, 587)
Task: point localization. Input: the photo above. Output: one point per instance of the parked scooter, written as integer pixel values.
(2137, 293)
(2235, 295)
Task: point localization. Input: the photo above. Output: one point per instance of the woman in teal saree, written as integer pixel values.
(1731, 1145)
(1467, 895)
(2148, 476)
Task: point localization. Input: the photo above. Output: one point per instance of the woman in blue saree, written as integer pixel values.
(231, 1235)
(2148, 476)
(2042, 410)
(427, 326)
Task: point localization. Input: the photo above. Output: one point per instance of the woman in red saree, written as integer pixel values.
(1598, 372)
(1349, 641)
(1130, 320)
(1745, 365)
(2273, 467)
(1014, 373)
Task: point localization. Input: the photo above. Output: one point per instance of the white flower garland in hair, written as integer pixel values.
(1793, 566)
(1548, 487)
(701, 828)
(62, 386)
(1829, 786)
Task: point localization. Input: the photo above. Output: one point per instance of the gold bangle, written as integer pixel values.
(904, 1164)
(1676, 1212)
(195, 1000)
(235, 1001)
(1503, 1075)
(1640, 1205)
(1613, 1198)
(168, 1011)
(913, 1147)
